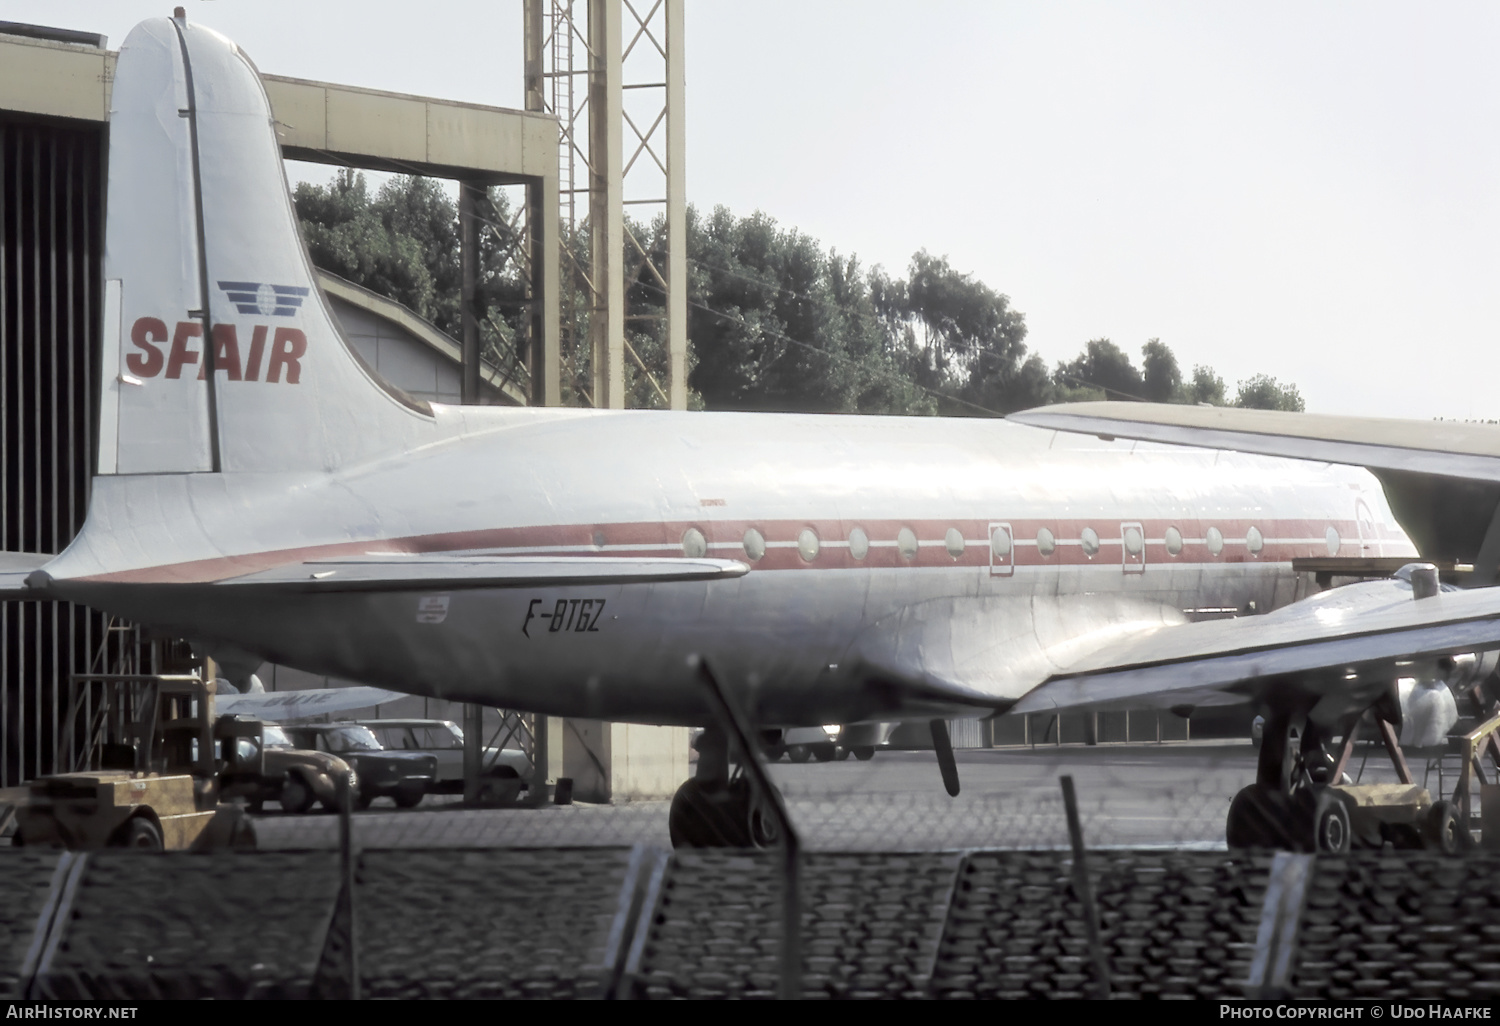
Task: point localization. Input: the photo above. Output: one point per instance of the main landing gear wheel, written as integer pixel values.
(1331, 833)
(864, 753)
(1260, 817)
(799, 753)
(1312, 820)
(706, 814)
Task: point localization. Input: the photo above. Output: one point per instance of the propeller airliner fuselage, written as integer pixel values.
(262, 493)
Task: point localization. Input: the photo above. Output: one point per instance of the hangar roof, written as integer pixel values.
(319, 121)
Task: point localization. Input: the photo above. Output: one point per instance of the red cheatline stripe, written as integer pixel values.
(724, 540)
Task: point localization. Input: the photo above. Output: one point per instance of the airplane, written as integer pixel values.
(262, 493)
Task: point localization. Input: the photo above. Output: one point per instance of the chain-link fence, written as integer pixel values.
(894, 889)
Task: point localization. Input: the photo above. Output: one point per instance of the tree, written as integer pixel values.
(781, 324)
(1102, 366)
(1205, 388)
(403, 244)
(346, 236)
(1161, 378)
(775, 321)
(1263, 392)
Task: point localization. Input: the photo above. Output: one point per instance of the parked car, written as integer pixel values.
(404, 777)
(297, 778)
(445, 740)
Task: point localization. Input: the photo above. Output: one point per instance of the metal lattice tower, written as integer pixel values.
(581, 73)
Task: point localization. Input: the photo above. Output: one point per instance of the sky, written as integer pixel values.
(1307, 190)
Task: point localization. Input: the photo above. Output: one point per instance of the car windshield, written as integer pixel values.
(276, 737)
(351, 739)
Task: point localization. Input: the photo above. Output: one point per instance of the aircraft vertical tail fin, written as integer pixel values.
(220, 353)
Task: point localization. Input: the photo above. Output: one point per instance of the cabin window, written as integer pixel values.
(1174, 541)
(1214, 540)
(755, 544)
(1046, 544)
(693, 544)
(807, 544)
(1331, 537)
(1000, 542)
(906, 543)
(954, 542)
(859, 543)
(1090, 539)
(1254, 541)
(1133, 540)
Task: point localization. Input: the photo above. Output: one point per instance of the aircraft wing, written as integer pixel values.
(1347, 646)
(448, 571)
(295, 705)
(973, 655)
(15, 567)
(1442, 478)
(1447, 448)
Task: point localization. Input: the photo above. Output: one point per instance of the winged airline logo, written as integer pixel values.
(253, 297)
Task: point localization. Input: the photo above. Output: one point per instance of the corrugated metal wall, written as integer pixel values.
(51, 255)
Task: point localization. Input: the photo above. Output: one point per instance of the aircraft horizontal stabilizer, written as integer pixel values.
(15, 567)
(421, 571)
(1347, 642)
(295, 705)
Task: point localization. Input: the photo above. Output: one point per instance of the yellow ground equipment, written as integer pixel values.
(147, 770)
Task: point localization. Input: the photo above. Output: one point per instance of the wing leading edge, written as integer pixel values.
(1346, 646)
(1446, 448)
(1340, 645)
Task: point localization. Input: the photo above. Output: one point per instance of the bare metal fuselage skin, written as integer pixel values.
(800, 634)
(895, 566)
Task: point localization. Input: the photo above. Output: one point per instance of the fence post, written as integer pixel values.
(1085, 888)
(737, 726)
(346, 856)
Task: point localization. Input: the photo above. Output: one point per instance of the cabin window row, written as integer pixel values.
(809, 545)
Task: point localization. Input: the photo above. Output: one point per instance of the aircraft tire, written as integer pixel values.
(1331, 832)
(1441, 830)
(798, 753)
(706, 815)
(765, 828)
(1260, 817)
(841, 753)
(824, 752)
(864, 753)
